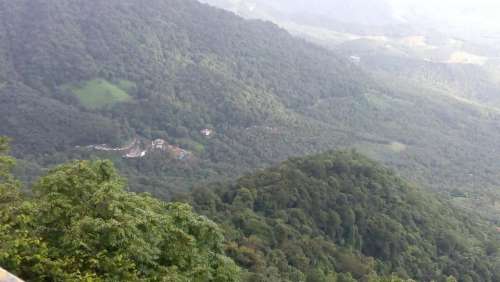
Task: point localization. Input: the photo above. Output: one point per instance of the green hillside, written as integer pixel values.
(341, 212)
(41, 124)
(267, 95)
(79, 75)
(334, 217)
(240, 78)
(80, 224)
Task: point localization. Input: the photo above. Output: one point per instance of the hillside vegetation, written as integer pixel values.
(81, 225)
(267, 95)
(79, 73)
(342, 212)
(335, 217)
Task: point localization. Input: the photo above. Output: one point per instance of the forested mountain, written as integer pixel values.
(77, 73)
(335, 217)
(340, 211)
(215, 70)
(180, 95)
(388, 35)
(187, 66)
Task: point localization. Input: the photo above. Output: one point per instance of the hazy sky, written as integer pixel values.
(479, 13)
(484, 14)
(468, 19)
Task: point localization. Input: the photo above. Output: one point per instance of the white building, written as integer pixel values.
(355, 59)
(206, 132)
(159, 144)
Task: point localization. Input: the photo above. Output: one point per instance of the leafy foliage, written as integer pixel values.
(267, 94)
(81, 225)
(331, 217)
(218, 71)
(39, 124)
(341, 211)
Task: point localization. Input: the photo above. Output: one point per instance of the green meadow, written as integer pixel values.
(98, 93)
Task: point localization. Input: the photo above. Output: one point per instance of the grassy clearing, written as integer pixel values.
(126, 85)
(98, 93)
(397, 147)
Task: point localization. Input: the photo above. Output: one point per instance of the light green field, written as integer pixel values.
(397, 147)
(98, 93)
(126, 85)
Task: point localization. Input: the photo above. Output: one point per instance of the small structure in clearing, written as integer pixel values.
(139, 149)
(355, 59)
(178, 153)
(135, 153)
(159, 144)
(207, 132)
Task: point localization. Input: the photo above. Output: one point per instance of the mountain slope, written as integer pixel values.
(193, 67)
(183, 66)
(282, 221)
(160, 44)
(43, 124)
(435, 120)
(216, 71)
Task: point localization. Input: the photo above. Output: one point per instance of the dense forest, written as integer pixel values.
(217, 71)
(341, 211)
(80, 224)
(77, 73)
(333, 217)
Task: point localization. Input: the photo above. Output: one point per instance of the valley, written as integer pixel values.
(176, 141)
(415, 59)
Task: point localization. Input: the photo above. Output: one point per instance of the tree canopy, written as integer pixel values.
(181, 66)
(342, 212)
(334, 217)
(80, 224)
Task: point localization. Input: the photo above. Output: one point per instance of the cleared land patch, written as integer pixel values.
(397, 147)
(98, 93)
